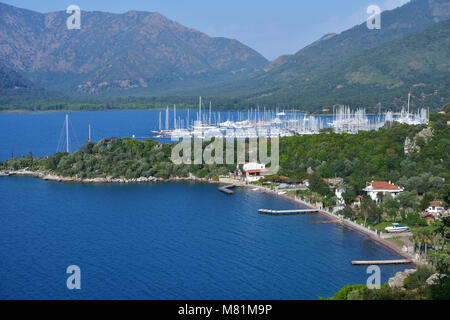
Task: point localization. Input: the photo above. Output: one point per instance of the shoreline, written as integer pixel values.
(109, 180)
(28, 111)
(383, 242)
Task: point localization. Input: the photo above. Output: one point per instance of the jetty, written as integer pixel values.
(381, 262)
(286, 212)
(226, 189)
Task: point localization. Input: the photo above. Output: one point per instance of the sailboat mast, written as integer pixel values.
(167, 118)
(199, 118)
(67, 133)
(174, 116)
(160, 123)
(89, 132)
(409, 98)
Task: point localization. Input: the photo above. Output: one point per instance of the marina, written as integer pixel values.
(271, 123)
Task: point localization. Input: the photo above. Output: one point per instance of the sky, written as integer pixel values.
(273, 28)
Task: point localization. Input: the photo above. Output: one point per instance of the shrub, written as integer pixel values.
(418, 279)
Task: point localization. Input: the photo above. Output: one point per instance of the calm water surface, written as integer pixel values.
(160, 241)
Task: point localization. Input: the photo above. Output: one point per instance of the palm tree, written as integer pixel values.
(419, 234)
(442, 228)
(427, 239)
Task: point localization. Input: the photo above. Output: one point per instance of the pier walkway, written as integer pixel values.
(226, 189)
(286, 212)
(381, 262)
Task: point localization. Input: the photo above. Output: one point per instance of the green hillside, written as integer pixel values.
(385, 74)
(280, 83)
(14, 88)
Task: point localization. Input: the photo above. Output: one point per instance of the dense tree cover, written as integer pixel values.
(375, 155)
(117, 158)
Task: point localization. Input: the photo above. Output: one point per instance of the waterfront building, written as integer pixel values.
(253, 171)
(374, 188)
(339, 194)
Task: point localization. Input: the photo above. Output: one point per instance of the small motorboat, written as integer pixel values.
(396, 229)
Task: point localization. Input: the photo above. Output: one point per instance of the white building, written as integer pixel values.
(435, 207)
(340, 198)
(339, 195)
(339, 192)
(381, 187)
(253, 171)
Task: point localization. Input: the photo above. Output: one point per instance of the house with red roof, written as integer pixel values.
(435, 207)
(253, 171)
(374, 188)
(357, 202)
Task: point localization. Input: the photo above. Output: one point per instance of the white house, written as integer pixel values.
(435, 207)
(381, 187)
(339, 198)
(339, 192)
(253, 171)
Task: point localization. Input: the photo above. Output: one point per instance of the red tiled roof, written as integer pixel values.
(340, 188)
(382, 185)
(435, 204)
(256, 171)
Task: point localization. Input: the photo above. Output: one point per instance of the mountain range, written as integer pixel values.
(286, 81)
(380, 76)
(144, 54)
(117, 52)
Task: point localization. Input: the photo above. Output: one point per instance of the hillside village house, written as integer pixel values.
(340, 198)
(381, 187)
(357, 202)
(339, 194)
(435, 207)
(253, 171)
(428, 217)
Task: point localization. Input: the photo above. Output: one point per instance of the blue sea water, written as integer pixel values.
(161, 241)
(44, 133)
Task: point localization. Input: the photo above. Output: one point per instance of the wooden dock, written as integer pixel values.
(381, 262)
(226, 189)
(286, 212)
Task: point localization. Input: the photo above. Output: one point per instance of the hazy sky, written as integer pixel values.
(272, 27)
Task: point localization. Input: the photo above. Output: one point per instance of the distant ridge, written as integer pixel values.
(14, 87)
(419, 63)
(130, 53)
(277, 83)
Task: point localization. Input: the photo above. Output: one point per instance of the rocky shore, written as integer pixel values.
(105, 180)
